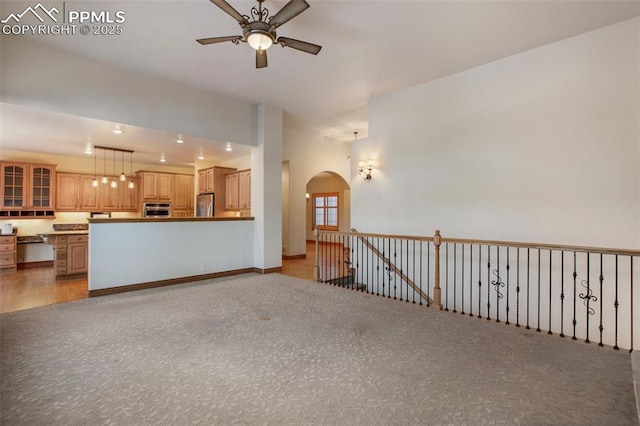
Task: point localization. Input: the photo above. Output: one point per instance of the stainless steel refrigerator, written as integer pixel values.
(205, 205)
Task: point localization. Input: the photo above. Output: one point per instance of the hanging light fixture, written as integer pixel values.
(131, 184)
(123, 177)
(114, 184)
(94, 183)
(201, 156)
(104, 180)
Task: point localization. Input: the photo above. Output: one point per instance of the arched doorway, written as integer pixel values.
(321, 186)
(321, 190)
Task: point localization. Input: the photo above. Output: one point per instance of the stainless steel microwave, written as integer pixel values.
(156, 210)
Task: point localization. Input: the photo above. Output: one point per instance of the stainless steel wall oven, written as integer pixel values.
(156, 210)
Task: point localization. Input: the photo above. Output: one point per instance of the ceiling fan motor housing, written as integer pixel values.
(259, 35)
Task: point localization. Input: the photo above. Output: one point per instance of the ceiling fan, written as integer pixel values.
(259, 30)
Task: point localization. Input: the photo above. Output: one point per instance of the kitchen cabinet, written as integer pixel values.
(183, 203)
(244, 191)
(231, 188)
(213, 179)
(156, 186)
(71, 254)
(28, 188)
(8, 251)
(76, 193)
(238, 192)
(206, 180)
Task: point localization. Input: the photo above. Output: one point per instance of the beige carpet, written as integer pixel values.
(282, 351)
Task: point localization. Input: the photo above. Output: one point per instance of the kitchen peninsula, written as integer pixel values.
(137, 253)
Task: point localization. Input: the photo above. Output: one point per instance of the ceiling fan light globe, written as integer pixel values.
(259, 40)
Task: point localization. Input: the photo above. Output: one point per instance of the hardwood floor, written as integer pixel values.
(32, 287)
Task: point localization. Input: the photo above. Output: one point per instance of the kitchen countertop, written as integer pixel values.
(80, 232)
(169, 219)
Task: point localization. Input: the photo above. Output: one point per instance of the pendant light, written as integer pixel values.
(105, 180)
(123, 177)
(114, 184)
(94, 183)
(131, 185)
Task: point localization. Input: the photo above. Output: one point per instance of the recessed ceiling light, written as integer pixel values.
(179, 140)
(201, 156)
(228, 147)
(88, 149)
(162, 159)
(118, 130)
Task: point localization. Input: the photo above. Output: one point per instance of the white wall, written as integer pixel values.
(266, 188)
(308, 154)
(40, 76)
(543, 146)
(132, 253)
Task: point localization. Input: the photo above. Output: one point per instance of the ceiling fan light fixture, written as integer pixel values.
(259, 40)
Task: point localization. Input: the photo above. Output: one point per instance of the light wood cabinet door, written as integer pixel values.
(109, 197)
(202, 181)
(89, 199)
(210, 180)
(67, 189)
(128, 200)
(231, 192)
(41, 188)
(183, 192)
(14, 178)
(149, 184)
(77, 254)
(164, 186)
(244, 189)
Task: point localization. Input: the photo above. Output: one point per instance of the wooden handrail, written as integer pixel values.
(543, 246)
(393, 268)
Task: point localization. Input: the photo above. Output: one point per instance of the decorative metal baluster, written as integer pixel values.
(420, 262)
(550, 279)
(446, 276)
(462, 277)
(455, 267)
(413, 298)
(384, 256)
(428, 273)
(517, 286)
(528, 282)
(508, 267)
(395, 262)
(378, 265)
(562, 293)
(575, 282)
(538, 328)
(601, 279)
(470, 280)
(587, 297)
(497, 283)
(615, 304)
(401, 280)
(631, 286)
(488, 282)
(479, 281)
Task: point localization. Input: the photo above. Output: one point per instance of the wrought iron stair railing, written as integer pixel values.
(580, 292)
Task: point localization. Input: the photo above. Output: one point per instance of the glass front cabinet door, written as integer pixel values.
(27, 186)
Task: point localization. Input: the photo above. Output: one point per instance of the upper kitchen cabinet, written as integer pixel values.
(238, 192)
(27, 190)
(183, 202)
(155, 186)
(76, 193)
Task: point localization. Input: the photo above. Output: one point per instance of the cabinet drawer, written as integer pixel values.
(7, 239)
(7, 259)
(78, 239)
(7, 247)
